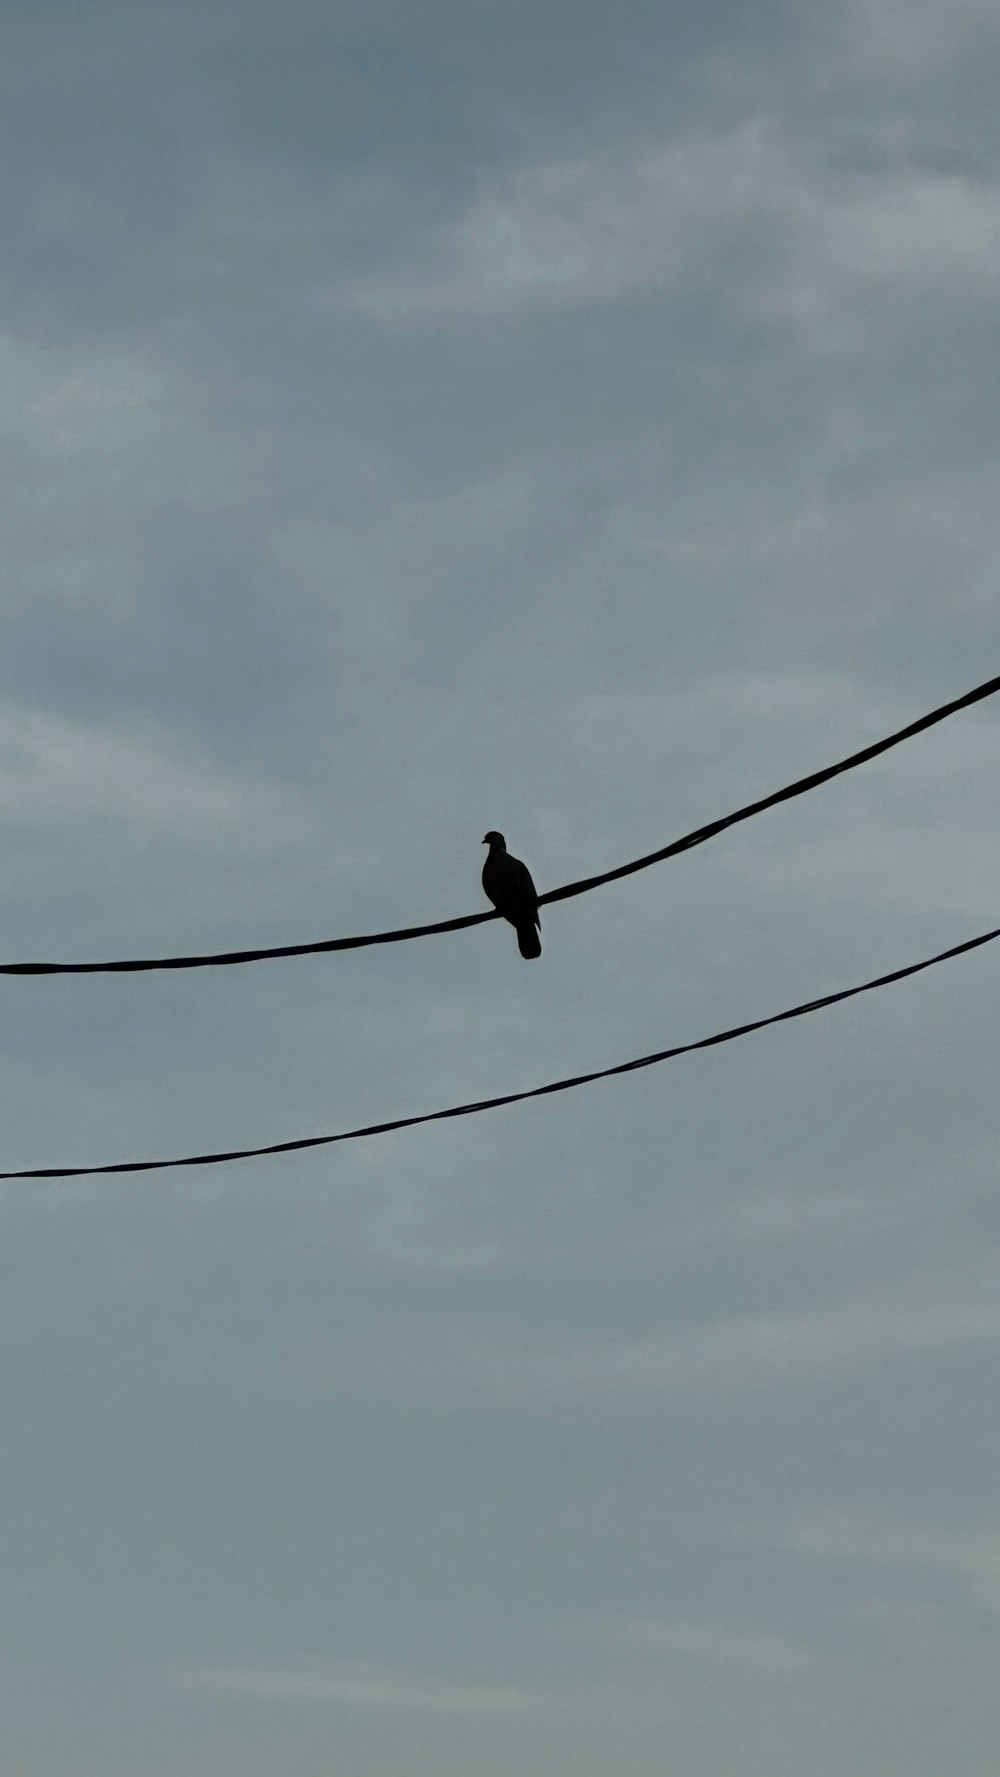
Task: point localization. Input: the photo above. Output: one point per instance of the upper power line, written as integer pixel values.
(226, 958)
(492, 1104)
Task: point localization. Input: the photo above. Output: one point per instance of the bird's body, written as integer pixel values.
(509, 886)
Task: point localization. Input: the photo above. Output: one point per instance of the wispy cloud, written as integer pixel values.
(50, 767)
(909, 38)
(66, 411)
(652, 216)
(669, 1644)
(967, 1555)
(356, 1685)
(863, 1332)
(583, 231)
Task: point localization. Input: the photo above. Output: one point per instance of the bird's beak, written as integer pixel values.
(484, 840)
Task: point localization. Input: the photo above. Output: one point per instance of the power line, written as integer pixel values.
(226, 958)
(492, 1104)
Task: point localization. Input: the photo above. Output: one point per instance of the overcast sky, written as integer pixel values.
(576, 419)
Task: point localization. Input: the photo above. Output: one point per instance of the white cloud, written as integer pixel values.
(908, 232)
(863, 1332)
(787, 1211)
(66, 411)
(586, 230)
(849, 567)
(870, 855)
(968, 1555)
(357, 1685)
(708, 1644)
(651, 216)
(909, 834)
(876, 544)
(52, 767)
(910, 38)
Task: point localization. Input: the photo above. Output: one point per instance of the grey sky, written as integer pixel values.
(577, 420)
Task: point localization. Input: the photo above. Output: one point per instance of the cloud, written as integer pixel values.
(66, 411)
(50, 767)
(966, 1555)
(864, 1332)
(907, 232)
(748, 1651)
(939, 529)
(910, 38)
(656, 216)
(586, 231)
(356, 1685)
(840, 569)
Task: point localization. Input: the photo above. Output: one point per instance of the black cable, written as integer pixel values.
(492, 1104)
(226, 957)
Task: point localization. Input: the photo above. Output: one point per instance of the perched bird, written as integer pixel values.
(509, 886)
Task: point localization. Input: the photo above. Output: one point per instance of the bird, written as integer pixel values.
(509, 886)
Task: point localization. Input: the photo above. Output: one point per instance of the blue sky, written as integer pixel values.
(575, 420)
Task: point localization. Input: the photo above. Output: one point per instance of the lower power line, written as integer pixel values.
(493, 1104)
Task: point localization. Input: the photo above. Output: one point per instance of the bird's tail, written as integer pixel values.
(529, 942)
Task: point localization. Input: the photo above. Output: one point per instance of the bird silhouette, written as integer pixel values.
(509, 886)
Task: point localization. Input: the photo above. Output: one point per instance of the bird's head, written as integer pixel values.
(496, 839)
